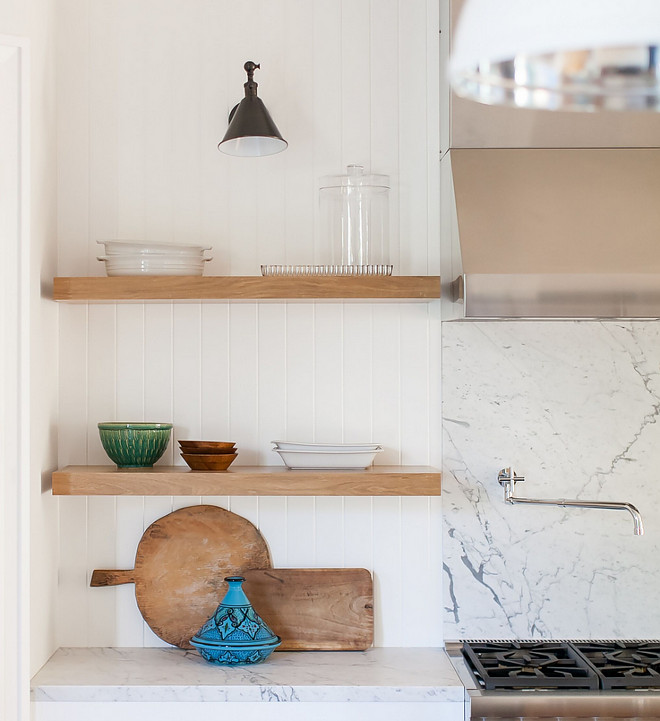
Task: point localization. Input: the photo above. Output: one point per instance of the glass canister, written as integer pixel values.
(355, 217)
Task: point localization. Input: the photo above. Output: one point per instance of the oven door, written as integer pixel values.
(556, 705)
(561, 705)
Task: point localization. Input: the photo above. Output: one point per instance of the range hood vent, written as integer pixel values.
(558, 233)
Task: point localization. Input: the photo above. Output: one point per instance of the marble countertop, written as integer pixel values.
(171, 674)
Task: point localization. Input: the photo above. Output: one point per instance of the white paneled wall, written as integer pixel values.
(146, 86)
(221, 371)
(145, 90)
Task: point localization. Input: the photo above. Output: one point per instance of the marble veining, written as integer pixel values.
(573, 406)
(168, 674)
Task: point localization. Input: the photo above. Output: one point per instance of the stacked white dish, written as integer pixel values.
(327, 455)
(137, 257)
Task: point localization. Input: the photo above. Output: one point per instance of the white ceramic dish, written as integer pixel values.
(151, 260)
(327, 459)
(111, 272)
(153, 266)
(131, 247)
(290, 445)
(148, 266)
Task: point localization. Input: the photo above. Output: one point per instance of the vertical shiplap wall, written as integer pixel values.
(145, 89)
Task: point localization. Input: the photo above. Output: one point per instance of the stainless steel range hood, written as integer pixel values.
(558, 233)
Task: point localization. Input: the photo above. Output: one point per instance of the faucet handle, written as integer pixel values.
(508, 479)
(506, 475)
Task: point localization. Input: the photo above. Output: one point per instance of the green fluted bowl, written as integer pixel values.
(135, 445)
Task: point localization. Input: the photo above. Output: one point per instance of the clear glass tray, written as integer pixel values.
(325, 270)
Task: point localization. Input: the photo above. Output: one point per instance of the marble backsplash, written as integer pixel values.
(573, 406)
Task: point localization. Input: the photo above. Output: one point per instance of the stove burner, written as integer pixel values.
(518, 665)
(624, 664)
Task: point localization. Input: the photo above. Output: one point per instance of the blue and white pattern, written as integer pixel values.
(235, 634)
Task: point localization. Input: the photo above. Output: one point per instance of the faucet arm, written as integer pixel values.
(508, 479)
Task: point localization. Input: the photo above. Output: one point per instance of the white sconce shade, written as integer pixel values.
(559, 54)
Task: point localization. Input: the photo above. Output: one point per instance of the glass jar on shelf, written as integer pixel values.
(355, 218)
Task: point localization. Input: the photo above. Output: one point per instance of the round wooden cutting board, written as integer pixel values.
(180, 566)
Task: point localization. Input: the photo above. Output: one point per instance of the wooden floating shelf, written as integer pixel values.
(399, 288)
(245, 481)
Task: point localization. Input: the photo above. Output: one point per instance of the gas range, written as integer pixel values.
(560, 679)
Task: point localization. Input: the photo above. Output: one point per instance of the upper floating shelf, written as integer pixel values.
(398, 288)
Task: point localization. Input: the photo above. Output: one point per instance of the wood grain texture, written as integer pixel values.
(322, 609)
(137, 288)
(111, 578)
(310, 609)
(180, 563)
(246, 481)
(183, 558)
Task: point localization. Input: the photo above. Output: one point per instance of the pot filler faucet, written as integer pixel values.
(508, 480)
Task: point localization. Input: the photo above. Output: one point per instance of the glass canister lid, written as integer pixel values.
(356, 177)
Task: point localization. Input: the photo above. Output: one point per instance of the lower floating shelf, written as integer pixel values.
(246, 481)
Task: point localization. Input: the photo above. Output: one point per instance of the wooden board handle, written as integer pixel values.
(112, 578)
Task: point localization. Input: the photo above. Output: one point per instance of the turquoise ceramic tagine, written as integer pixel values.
(235, 634)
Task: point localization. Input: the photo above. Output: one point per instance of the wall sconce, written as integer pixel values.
(251, 130)
(559, 54)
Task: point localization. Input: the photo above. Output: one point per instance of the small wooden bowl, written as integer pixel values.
(209, 462)
(208, 451)
(209, 447)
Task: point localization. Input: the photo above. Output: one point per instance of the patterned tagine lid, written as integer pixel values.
(235, 634)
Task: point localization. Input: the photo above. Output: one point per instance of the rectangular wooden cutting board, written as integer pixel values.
(323, 609)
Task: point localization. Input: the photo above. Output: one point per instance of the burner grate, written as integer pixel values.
(524, 665)
(624, 664)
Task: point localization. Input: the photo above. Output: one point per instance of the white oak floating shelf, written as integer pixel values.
(245, 481)
(397, 288)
